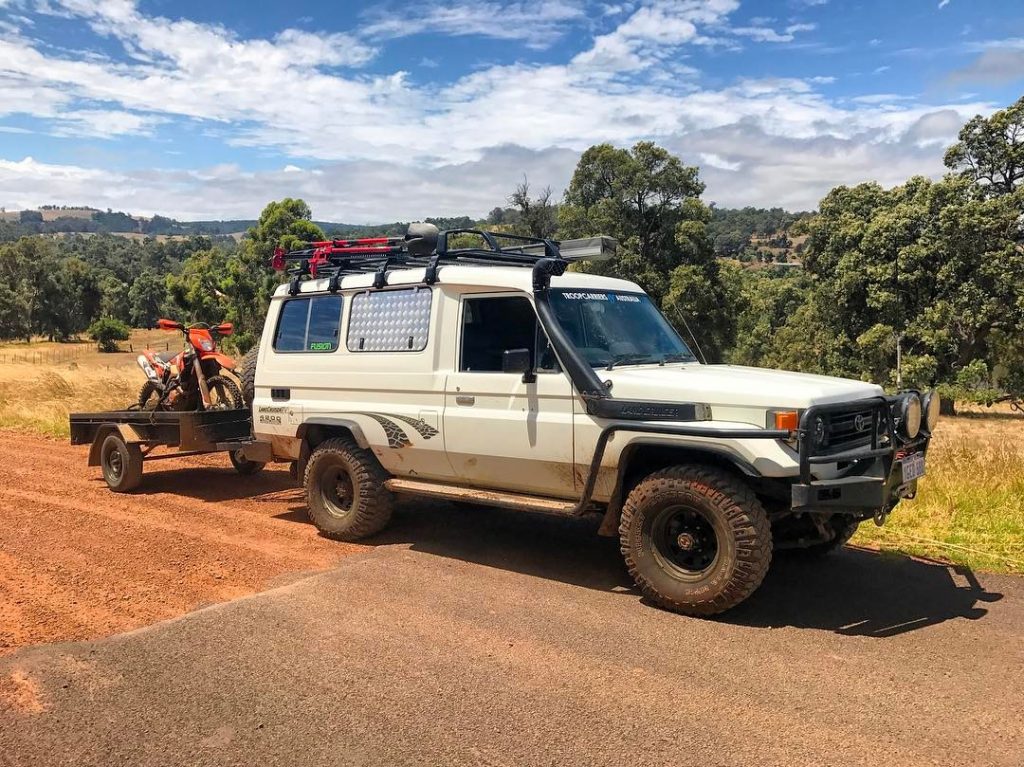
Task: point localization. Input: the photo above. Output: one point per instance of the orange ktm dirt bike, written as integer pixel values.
(193, 378)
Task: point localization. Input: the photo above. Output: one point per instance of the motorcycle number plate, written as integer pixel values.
(913, 467)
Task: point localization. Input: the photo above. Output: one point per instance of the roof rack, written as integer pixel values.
(423, 245)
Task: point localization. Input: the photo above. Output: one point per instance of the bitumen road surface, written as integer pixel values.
(484, 637)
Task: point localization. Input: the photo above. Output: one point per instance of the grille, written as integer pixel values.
(848, 430)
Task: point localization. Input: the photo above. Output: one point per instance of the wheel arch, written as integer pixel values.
(316, 430)
(644, 456)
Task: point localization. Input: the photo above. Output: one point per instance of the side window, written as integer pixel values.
(309, 325)
(492, 325)
(390, 321)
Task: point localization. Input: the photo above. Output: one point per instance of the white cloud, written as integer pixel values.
(538, 23)
(304, 96)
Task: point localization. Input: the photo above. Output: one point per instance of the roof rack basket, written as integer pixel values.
(425, 246)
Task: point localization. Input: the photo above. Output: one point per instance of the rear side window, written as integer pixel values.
(309, 325)
(390, 321)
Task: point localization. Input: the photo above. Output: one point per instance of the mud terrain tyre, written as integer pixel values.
(121, 463)
(247, 375)
(345, 493)
(695, 539)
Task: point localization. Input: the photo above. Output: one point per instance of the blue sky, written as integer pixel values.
(397, 110)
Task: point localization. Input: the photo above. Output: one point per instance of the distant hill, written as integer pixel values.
(749, 235)
(51, 219)
(758, 235)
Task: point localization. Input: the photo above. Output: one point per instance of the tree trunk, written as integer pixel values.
(947, 407)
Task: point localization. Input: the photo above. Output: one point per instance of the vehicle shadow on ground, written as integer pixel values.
(854, 592)
(216, 484)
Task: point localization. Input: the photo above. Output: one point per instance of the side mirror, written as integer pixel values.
(518, 361)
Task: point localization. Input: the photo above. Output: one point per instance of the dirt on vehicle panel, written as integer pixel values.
(78, 562)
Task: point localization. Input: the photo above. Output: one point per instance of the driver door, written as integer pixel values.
(501, 431)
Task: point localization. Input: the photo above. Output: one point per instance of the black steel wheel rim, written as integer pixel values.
(338, 490)
(685, 541)
(115, 464)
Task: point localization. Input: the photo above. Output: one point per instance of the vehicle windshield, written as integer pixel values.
(612, 328)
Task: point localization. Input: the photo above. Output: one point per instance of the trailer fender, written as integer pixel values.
(128, 434)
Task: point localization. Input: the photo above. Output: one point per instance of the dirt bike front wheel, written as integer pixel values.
(224, 394)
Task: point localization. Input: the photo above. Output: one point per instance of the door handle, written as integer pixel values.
(465, 399)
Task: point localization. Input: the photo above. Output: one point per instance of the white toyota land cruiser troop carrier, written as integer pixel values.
(493, 374)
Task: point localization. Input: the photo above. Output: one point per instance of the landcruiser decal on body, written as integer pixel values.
(397, 436)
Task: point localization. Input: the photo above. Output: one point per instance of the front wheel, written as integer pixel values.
(224, 393)
(695, 539)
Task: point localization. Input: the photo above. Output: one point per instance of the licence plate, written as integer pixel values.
(913, 467)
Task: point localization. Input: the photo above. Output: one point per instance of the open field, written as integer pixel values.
(41, 382)
(970, 509)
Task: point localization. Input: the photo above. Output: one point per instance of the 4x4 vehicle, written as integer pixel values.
(494, 374)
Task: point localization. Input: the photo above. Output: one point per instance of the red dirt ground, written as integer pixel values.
(79, 562)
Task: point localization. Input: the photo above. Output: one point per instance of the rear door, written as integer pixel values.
(502, 432)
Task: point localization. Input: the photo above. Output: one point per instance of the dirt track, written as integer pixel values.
(80, 562)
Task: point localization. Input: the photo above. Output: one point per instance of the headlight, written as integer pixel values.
(931, 404)
(910, 415)
(207, 346)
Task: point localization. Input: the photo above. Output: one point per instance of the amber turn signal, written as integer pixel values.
(787, 420)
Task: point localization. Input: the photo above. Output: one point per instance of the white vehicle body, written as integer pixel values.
(493, 430)
(526, 388)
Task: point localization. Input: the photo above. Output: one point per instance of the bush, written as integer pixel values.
(106, 332)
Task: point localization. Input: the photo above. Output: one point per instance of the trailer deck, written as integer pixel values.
(121, 440)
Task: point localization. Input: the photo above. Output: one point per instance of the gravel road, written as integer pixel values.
(479, 636)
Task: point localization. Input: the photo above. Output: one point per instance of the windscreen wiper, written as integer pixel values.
(635, 359)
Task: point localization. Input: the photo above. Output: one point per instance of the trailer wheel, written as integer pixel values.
(243, 465)
(345, 491)
(695, 539)
(121, 463)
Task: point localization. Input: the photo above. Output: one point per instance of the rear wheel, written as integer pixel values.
(345, 491)
(121, 464)
(149, 396)
(695, 539)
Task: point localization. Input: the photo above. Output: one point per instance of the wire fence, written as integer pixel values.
(66, 356)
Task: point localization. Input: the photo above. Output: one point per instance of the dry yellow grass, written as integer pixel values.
(39, 396)
(970, 506)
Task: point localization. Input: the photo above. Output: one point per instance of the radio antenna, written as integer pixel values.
(686, 325)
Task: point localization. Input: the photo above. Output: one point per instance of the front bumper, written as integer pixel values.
(870, 478)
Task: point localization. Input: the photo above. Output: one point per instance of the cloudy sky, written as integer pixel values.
(397, 110)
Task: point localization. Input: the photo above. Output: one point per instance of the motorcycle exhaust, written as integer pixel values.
(149, 370)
